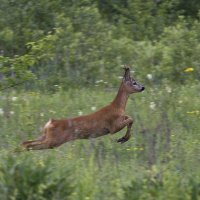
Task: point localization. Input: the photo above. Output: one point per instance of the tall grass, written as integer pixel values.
(160, 161)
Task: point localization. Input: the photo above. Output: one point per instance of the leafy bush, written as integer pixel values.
(31, 179)
(171, 186)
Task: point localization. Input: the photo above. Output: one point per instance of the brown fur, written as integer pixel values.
(109, 119)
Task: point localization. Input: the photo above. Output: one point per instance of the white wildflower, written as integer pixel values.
(152, 105)
(80, 113)
(52, 111)
(99, 81)
(169, 90)
(14, 98)
(1, 111)
(41, 114)
(93, 108)
(149, 76)
(12, 112)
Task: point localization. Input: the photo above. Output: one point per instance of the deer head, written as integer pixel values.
(130, 85)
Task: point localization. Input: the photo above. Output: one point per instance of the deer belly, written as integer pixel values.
(90, 133)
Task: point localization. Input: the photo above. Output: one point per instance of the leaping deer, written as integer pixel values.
(109, 119)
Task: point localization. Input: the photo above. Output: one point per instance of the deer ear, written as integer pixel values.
(127, 76)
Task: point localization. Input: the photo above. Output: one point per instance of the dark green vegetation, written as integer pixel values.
(62, 58)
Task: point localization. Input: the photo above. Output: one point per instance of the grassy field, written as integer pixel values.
(161, 160)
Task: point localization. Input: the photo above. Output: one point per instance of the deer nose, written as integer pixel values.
(142, 88)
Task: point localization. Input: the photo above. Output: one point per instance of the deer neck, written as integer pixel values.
(121, 98)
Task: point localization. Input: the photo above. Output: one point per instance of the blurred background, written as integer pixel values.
(63, 58)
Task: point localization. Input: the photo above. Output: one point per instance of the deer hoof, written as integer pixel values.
(122, 140)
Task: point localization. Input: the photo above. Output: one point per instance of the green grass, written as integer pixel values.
(160, 161)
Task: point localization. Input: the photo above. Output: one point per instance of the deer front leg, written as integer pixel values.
(120, 124)
(129, 122)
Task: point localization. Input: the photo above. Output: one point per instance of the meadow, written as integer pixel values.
(161, 160)
(61, 59)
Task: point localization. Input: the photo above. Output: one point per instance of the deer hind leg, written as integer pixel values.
(42, 143)
(41, 138)
(128, 121)
(39, 143)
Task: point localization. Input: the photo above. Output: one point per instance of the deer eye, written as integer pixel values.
(134, 83)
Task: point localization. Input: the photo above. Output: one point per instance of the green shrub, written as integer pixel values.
(169, 185)
(29, 179)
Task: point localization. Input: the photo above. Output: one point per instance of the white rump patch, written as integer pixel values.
(48, 124)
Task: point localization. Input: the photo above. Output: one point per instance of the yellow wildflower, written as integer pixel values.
(190, 112)
(41, 163)
(189, 69)
(193, 112)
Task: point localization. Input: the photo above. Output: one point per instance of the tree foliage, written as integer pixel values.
(78, 42)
